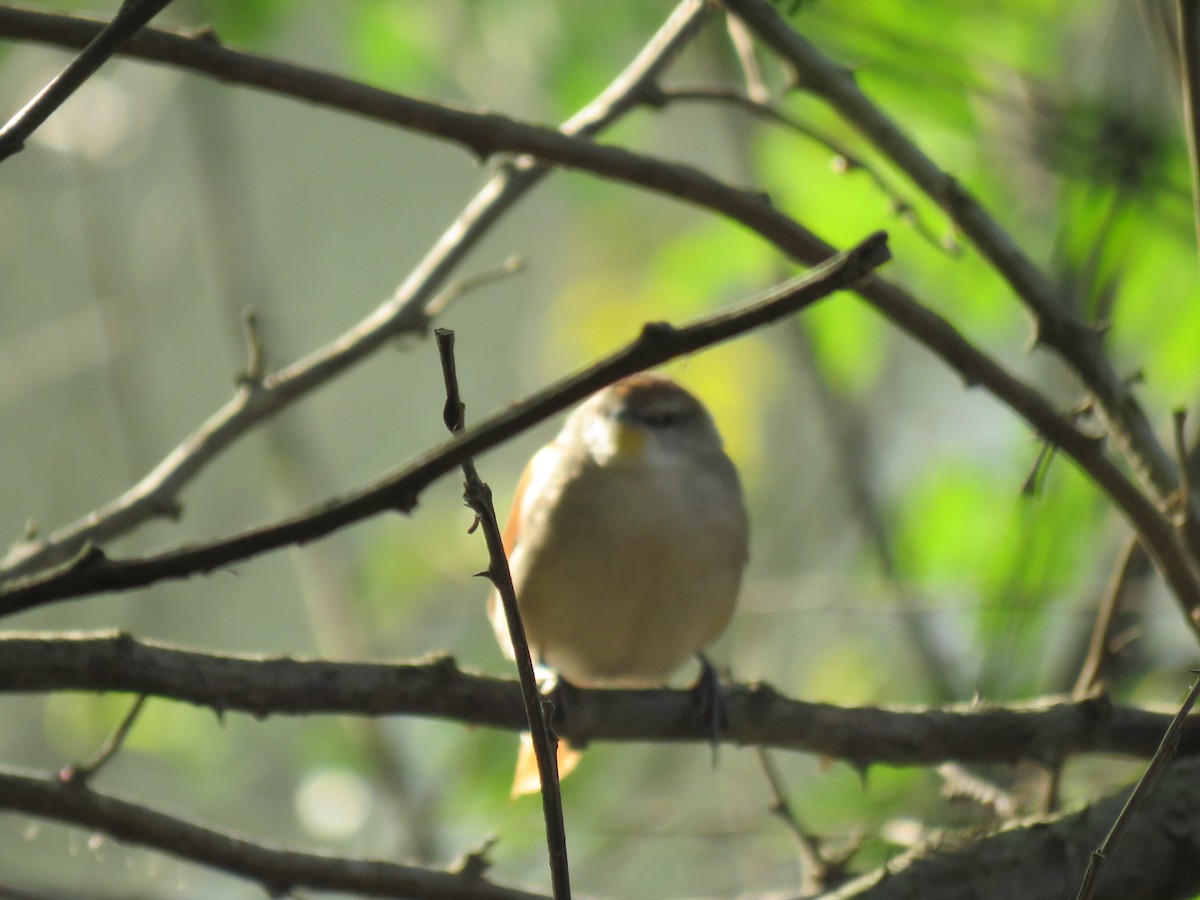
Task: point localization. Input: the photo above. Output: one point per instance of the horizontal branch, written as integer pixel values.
(485, 133)
(437, 688)
(278, 869)
(1044, 859)
(91, 572)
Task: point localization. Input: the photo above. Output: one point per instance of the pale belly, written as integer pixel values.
(628, 599)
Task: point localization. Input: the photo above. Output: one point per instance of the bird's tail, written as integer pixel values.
(526, 779)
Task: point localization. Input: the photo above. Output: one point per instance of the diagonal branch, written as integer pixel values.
(1137, 798)
(91, 572)
(1188, 23)
(409, 311)
(846, 160)
(107, 40)
(278, 869)
(259, 686)
(1078, 344)
(486, 133)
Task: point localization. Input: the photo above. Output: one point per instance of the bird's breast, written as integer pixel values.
(623, 573)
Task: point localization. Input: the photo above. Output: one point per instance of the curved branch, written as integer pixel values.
(848, 161)
(409, 311)
(1077, 344)
(436, 688)
(91, 572)
(278, 869)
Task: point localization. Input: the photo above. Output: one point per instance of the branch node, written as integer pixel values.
(475, 863)
(168, 508)
(653, 332)
(252, 377)
(204, 34)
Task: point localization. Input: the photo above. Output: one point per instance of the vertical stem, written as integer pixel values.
(478, 497)
(1188, 18)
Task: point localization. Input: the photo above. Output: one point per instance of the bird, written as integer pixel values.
(627, 541)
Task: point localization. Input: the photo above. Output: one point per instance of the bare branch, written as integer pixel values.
(1078, 344)
(132, 15)
(1187, 17)
(435, 688)
(1154, 771)
(1041, 859)
(1131, 563)
(478, 497)
(79, 775)
(92, 572)
(819, 869)
(845, 160)
(409, 311)
(278, 869)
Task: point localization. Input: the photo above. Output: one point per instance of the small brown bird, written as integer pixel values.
(627, 540)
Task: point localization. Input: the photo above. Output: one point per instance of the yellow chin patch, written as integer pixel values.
(630, 441)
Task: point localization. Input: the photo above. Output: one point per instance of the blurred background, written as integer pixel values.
(895, 556)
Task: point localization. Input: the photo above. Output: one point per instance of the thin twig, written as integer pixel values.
(132, 15)
(456, 289)
(407, 312)
(80, 774)
(109, 662)
(1186, 517)
(1034, 858)
(743, 45)
(1130, 564)
(277, 869)
(1188, 21)
(92, 572)
(961, 784)
(845, 160)
(478, 496)
(819, 872)
(1165, 753)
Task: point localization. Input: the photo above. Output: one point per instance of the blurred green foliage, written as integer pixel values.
(1089, 173)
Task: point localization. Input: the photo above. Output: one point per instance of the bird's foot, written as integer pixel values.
(711, 698)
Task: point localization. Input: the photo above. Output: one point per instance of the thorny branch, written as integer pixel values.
(1154, 771)
(260, 686)
(478, 497)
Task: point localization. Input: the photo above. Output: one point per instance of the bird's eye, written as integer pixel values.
(660, 419)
